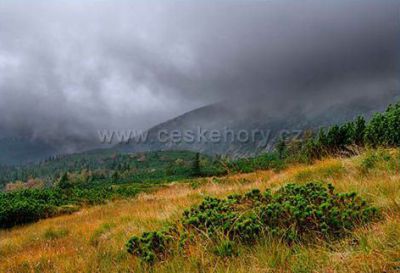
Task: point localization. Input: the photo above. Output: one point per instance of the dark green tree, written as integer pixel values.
(392, 135)
(346, 135)
(115, 176)
(196, 169)
(359, 131)
(281, 148)
(375, 132)
(170, 169)
(64, 182)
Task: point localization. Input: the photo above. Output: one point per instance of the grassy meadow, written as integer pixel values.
(93, 239)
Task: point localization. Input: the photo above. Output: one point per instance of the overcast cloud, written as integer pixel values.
(68, 68)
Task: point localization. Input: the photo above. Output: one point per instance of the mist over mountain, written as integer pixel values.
(270, 126)
(69, 69)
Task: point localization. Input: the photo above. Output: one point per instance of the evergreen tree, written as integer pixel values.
(311, 150)
(281, 148)
(332, 138)
(115, 176)
(392, 135)
(346, 134)
(322, 138)
(375, 132)
(196, 170)
(64, 182)
(359, 131)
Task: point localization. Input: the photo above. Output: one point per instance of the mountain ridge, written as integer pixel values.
(221, 115)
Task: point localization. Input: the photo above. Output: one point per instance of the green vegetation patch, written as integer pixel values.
(55, 233)
(29, 205)
(295, 213)
(380, 160)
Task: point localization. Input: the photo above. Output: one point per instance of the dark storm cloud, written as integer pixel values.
(70, 68)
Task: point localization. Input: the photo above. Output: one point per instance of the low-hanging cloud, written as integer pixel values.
(68, 68)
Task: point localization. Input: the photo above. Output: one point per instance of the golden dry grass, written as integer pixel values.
(93, 239)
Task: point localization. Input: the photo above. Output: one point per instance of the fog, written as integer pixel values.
(69, 68)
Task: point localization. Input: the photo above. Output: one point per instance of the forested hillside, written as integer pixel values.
(106, 165)
(56, 185)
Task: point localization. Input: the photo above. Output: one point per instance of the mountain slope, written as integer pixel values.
(268, 124)
(99, 233)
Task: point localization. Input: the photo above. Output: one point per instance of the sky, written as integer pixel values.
(70, 68)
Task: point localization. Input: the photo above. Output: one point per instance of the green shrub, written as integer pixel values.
(27, 205)
(30, 205)
(294, 213)
(369, 162)
(151, 246)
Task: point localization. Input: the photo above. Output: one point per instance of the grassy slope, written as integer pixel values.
(93, 239)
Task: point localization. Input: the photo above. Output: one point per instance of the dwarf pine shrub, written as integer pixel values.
(294, 213)
(152, 246)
